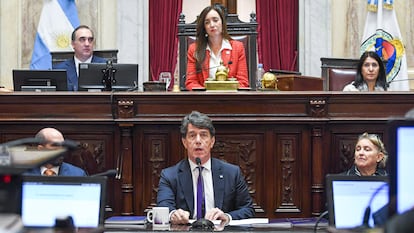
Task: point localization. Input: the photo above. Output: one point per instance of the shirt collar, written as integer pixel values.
(224, 45)
(206, 166)
(54, 168)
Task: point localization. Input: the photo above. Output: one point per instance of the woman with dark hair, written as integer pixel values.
(213, 47)
(371, 74)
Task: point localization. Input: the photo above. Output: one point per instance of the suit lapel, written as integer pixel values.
(186, 184)
(218, 183)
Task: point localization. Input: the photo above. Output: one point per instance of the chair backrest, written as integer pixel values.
(60, 56)
(337, 72)
(246, 32)
(340, 77)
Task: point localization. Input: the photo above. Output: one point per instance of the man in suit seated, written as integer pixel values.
(82, 42)
(230, 198)
(56, 167)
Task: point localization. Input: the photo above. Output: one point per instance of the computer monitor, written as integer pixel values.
(47, 198)
(348, 198)
(401, 160)
(91, 76)
(39, 80)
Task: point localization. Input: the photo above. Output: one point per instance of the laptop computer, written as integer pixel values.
(39, 80)
(47, 198)
(348, 197)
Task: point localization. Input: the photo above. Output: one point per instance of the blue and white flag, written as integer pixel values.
(382, 34)
(57, 21)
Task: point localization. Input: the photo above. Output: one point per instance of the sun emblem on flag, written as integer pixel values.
(62, 41)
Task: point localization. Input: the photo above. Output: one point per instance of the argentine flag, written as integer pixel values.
(382, 34)
(57, 21)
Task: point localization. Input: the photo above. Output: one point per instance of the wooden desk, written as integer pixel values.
(284, 142)
(293, 82)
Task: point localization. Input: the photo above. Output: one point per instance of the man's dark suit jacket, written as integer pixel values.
(72, 76)
(231, 193)
(65, 169)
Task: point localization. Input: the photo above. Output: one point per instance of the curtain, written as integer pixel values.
(278, 27)
(163, 40)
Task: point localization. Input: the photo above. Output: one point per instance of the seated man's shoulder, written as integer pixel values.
(63, 64)
(97, 59)
(226, 165)
(71, 170)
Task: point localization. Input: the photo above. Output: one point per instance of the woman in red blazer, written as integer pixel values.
(213, 45)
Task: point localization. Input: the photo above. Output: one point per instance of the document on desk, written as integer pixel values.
(249, 221)
(125, 222)
(261, 223)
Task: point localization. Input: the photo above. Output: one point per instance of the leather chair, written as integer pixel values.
(246, 32)
(61, 56)
(337, 72)
(339, 78)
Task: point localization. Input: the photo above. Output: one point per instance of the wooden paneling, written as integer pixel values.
(284, 142)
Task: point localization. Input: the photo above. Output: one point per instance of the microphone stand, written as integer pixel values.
(108, 77)
(367, 213)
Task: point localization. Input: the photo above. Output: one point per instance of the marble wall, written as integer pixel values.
(328, 28)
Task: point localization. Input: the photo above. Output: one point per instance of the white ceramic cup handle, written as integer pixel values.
(150, 216)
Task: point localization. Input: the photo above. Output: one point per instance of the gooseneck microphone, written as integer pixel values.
(198, 161)
(108, 173)
(367, 213)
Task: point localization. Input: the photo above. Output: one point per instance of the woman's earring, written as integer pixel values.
(206, 35)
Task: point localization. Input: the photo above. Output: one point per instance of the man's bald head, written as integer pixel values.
(50, 136)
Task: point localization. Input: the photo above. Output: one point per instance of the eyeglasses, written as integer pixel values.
(84, 39)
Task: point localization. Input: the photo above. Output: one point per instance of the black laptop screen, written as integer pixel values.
(91, 76)
(39, 80)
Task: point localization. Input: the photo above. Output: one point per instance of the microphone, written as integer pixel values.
(198, 162)
(70, 144)
(23, 141)
(399, 80)
(367, 213)
(108, 173)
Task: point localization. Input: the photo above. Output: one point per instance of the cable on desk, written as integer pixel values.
(315, 229)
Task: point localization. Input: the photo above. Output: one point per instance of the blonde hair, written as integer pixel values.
(376, 140)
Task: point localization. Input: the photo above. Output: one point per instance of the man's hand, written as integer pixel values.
(180, 216)
(217, 214)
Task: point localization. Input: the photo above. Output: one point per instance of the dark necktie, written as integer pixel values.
(200, 194)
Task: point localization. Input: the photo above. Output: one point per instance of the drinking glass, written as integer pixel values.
(165, 77)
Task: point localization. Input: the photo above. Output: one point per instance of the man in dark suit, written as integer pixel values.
(56, 167)
(230, 198)
(82, 43)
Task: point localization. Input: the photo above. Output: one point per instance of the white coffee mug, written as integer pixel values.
(159, 217)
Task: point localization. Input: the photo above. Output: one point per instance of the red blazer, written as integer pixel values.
(237, 68)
